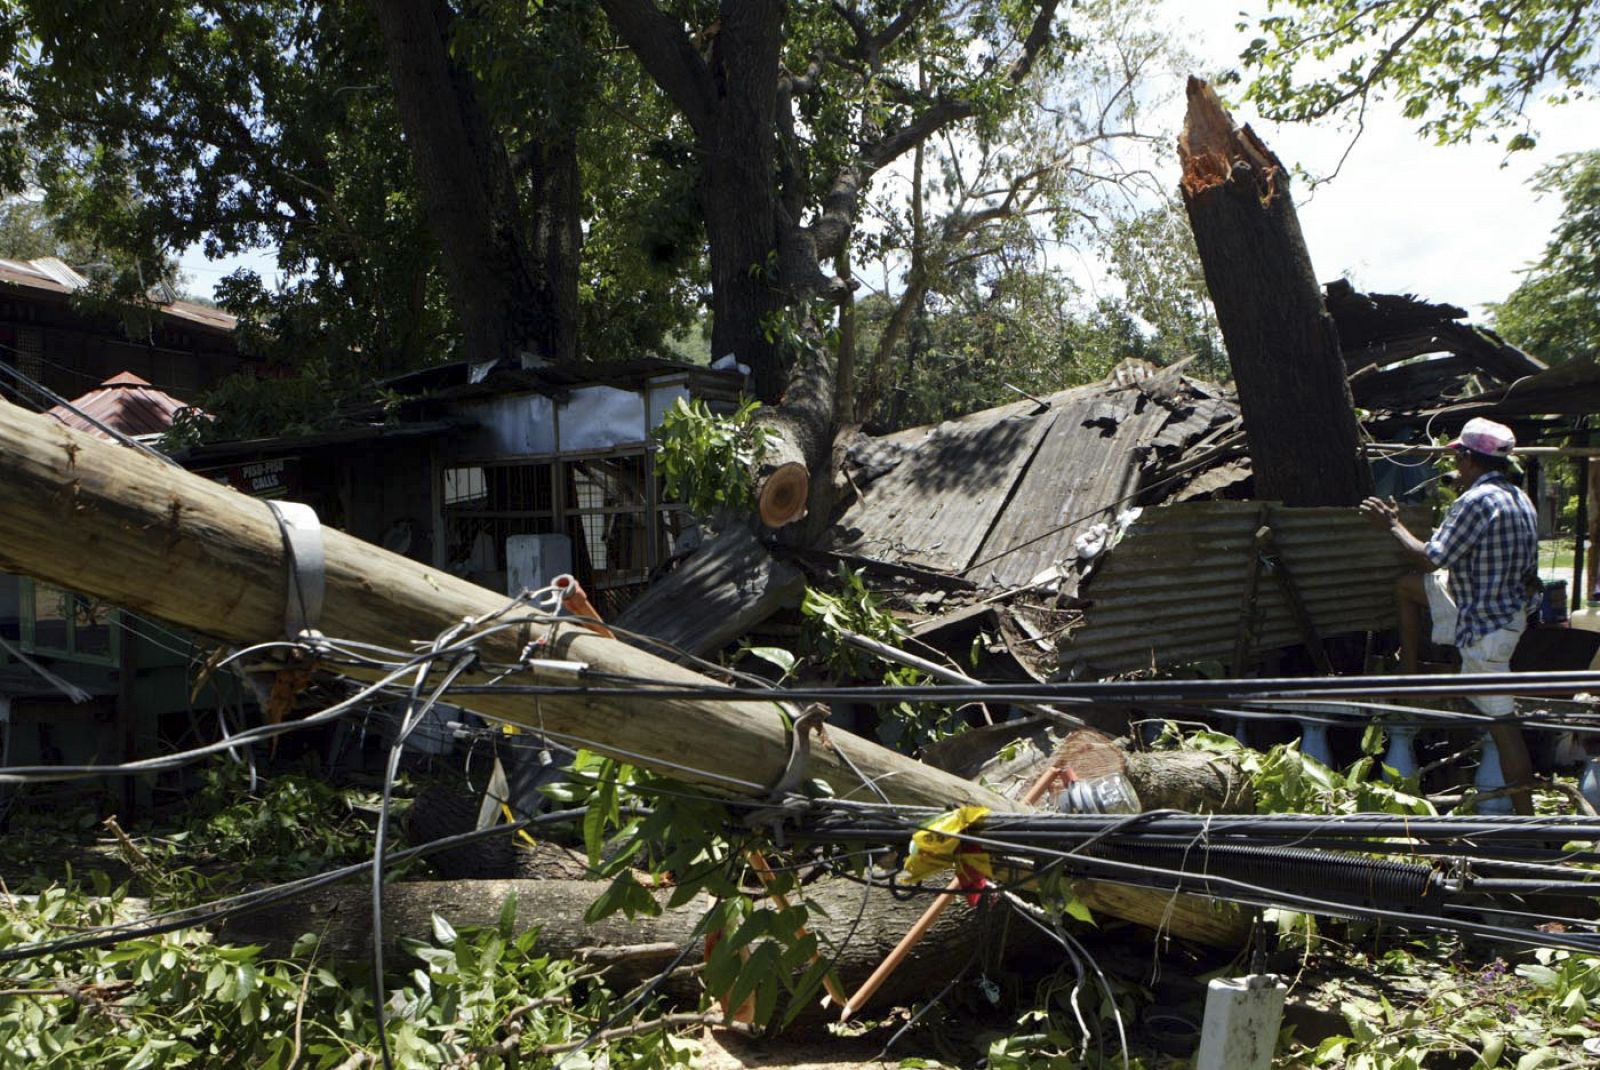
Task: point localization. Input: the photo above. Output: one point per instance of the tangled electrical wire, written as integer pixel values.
(1428, 873)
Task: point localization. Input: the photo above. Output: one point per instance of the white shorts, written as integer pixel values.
(1490, 653)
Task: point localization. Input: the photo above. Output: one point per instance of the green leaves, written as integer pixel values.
(707, 460)
(1555, 312)
(623, 895)
(1461, 68)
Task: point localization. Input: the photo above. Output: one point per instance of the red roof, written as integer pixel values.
(123, 403)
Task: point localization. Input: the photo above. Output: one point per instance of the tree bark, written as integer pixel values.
(804, 425)
(858, 925)
(1282, 344)
(504, 302)
(738, 157)
(558, 242)
(632, 950)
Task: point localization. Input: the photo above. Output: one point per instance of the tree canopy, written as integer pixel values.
(1555, 312)
(584, 177)
(1459, 68)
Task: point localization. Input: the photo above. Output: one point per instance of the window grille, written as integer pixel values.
(607, 502)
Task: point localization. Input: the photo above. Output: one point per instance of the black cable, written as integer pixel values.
(161, 763)
(250, 902)
(1292, 689)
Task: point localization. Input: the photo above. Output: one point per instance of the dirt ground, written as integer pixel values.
(725, 1050)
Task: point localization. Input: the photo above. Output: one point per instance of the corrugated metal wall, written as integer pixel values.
(1173, 590)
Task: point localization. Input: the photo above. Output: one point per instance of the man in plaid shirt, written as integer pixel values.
(1489, 542)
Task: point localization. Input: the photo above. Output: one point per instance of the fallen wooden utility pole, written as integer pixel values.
(119, 525)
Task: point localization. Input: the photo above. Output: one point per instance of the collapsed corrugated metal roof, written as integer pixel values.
(1569, 389)
(1000, 496)
(124, 403)
(1405, 354)
(1178, 588)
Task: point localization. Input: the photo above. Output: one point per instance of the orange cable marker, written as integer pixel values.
(574, 599)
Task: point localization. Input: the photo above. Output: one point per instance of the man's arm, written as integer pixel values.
(1386, 515)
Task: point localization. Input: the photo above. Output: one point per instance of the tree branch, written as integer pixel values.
(836, 220)
(668, 56)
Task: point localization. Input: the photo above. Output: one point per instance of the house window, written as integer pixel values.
(60, 623)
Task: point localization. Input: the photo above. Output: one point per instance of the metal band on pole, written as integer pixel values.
(302, 543)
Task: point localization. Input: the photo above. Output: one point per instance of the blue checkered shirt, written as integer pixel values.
(1490, 543)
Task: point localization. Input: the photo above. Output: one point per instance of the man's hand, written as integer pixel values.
(1384, 515)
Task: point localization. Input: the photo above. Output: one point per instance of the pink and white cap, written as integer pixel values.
(1485, 437)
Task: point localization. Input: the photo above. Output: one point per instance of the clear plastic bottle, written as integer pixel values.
(1110, 794)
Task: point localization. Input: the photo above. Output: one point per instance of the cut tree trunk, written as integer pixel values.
(858, 926)
(633, 950)
(786, 491)
(116, 524)
(1282, 344)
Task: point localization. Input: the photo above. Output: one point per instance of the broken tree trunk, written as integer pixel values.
(860, 928)
(632, 950)
(116, 524)
(1282, 344)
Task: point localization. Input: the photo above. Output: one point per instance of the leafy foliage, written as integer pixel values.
(1409, 1006)
(1458, 68)
(1153, 255)
(854, 608)
(184, 1000)
(977, 231)
(1427, 1006)
(245, 406)
(155, 125)
(1555, 312)
(685, 842)
(1287, 781)
(709, 460)
(480, 997)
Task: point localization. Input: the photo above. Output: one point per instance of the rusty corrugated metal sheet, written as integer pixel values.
(1087, 464)
(1001, 495)
(1172, 591)
(124, 403)
(49, 274)
(935, 506)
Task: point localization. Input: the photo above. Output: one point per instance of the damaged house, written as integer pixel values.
(1108, 529)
